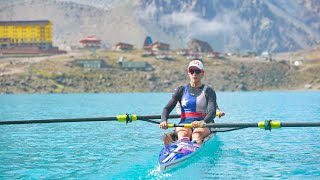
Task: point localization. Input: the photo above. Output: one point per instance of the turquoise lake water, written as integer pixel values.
(114, 150)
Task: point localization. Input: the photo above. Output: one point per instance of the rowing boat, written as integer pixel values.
(175, 153)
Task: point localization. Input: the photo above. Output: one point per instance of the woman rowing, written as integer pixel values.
(198, 105)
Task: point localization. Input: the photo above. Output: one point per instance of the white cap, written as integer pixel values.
(196, 63)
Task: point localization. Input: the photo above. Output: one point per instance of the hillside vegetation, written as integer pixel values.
(57, 74)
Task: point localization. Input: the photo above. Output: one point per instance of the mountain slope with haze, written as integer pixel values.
(234, 25)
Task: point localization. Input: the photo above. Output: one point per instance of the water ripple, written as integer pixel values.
(113, 150)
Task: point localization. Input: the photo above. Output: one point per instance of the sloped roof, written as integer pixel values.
(35, 22)
(90, 38)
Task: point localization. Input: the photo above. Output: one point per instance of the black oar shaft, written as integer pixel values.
(58, 120)
(296, 124)
(232, 125)
(144, 118)
(248, 125)
(157, 117)
(274, 124)
(152, 121)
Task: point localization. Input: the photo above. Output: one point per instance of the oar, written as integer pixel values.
(121, 118)
(267, 125)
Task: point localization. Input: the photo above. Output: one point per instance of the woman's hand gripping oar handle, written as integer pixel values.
(201, 124)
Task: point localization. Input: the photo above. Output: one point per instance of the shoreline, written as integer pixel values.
(285, 91)
(59, 74)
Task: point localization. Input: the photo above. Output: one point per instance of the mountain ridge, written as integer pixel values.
(236, 25)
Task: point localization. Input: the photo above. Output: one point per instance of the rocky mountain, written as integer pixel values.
(199, 46)
(256, 25)
(233, 25)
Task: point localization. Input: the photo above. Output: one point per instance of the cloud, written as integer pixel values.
(195, 24)
(189, 24)
(146, 13)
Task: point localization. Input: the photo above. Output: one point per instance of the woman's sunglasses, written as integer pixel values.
(197, 71)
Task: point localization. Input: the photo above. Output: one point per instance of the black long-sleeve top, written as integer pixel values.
(196, 91)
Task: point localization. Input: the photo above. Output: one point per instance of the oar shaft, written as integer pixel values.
(121, 118)
(58, 120)
(273, 125)
(297, 124)
(151, 121)
(157, 117)
(232, 125)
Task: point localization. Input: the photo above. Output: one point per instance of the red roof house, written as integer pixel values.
(90, 41)
(159, 46)
(123, 47)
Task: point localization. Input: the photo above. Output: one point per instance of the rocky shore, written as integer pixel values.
(58, 74)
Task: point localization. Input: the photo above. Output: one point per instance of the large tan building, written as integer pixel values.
(25, 34)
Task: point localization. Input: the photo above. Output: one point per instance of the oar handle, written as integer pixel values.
(180, 125)
(132, 117)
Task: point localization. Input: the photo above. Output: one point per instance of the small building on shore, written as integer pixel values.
(90, 42)
(27, 38)
(36, 33)
(147, 43)
(134, 65)
(123, 47)
(90, 63)
(159, 46)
